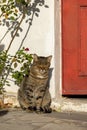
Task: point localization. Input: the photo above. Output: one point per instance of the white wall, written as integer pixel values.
(40, 39)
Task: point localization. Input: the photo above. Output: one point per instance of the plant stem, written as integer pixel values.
(23, 16)
(8, 71)
(1, 15)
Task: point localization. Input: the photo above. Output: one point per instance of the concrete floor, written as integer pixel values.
(17, 119)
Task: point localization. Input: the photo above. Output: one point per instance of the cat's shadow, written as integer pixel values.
(49, 78)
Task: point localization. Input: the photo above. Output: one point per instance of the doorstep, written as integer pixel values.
(70, 104)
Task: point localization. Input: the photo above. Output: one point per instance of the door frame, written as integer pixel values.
(58, 48)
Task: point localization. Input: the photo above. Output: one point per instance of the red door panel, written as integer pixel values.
(74, 47)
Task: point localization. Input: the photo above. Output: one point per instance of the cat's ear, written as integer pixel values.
(35, 57)
(49, 58)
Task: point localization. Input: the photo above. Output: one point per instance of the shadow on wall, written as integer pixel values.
(2, 47)
(50, 75)
(32, 10)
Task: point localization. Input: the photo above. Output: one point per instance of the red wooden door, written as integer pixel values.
(74, 47)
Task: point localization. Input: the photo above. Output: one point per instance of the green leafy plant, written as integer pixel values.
(16, 66)
(12, 14)
(22, 60)
(4, 66)
(5, 61)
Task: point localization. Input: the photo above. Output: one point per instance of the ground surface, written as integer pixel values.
(21, 120)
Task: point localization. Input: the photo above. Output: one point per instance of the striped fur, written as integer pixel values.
(33, 94)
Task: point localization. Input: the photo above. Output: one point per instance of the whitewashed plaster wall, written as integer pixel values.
(40, 39)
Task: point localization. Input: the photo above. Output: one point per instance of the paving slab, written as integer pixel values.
(22, 120)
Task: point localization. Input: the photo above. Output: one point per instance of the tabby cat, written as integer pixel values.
(33, 94)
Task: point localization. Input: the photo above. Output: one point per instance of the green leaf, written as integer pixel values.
(10, 12)
(12, 18)
(15, 64)
(2, 9)
(10, 0)
(15, 14)
(4, 1)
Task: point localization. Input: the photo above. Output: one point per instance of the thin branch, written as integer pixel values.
(8, 71)
(1, 15)
(15, 32)
(26, 32)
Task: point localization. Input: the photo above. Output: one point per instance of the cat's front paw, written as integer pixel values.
(38, 111)
(47, 109)
(29, 111)
(31, 108)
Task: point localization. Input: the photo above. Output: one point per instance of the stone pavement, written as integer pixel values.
(21, 120)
